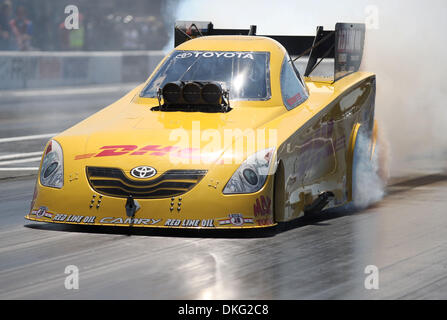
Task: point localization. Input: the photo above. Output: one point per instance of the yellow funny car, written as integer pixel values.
(226, 133)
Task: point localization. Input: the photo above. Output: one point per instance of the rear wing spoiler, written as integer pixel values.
(344, 44)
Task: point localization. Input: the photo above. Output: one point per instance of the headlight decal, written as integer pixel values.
(52, 170)
(251, 175)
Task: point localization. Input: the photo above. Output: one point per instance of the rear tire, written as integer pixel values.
(367, 184)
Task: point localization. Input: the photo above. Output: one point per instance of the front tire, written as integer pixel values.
(279, 197)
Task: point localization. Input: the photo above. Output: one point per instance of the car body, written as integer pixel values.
(136, 164)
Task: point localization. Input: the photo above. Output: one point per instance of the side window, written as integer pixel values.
(293, 90)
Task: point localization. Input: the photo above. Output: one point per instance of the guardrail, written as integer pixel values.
(26, 70)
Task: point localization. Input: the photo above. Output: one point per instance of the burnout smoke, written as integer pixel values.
(369, 173)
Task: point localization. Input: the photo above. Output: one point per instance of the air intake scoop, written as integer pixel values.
(193, 96)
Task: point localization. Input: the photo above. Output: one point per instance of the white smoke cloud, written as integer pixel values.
(368, 186)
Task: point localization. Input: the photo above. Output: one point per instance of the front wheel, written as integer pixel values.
(279, 196)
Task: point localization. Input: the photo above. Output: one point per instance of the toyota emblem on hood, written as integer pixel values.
(143, 172)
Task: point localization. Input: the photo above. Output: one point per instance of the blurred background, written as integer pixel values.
(103, 25)
(46, 44)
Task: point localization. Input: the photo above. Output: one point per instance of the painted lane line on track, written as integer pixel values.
(24, 138)
(2, 163)
(20, 155)
(20, 169)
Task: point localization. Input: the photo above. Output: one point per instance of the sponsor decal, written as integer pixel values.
(262, 210)
(42, 212)
(293, 100)
(262, 206)
(190, 223)
(60, 217)
(152, 150)
(212, 54)
(135, 221)
(235, 219)
(106, 220)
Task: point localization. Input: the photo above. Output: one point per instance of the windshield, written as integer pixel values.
(244, 74)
